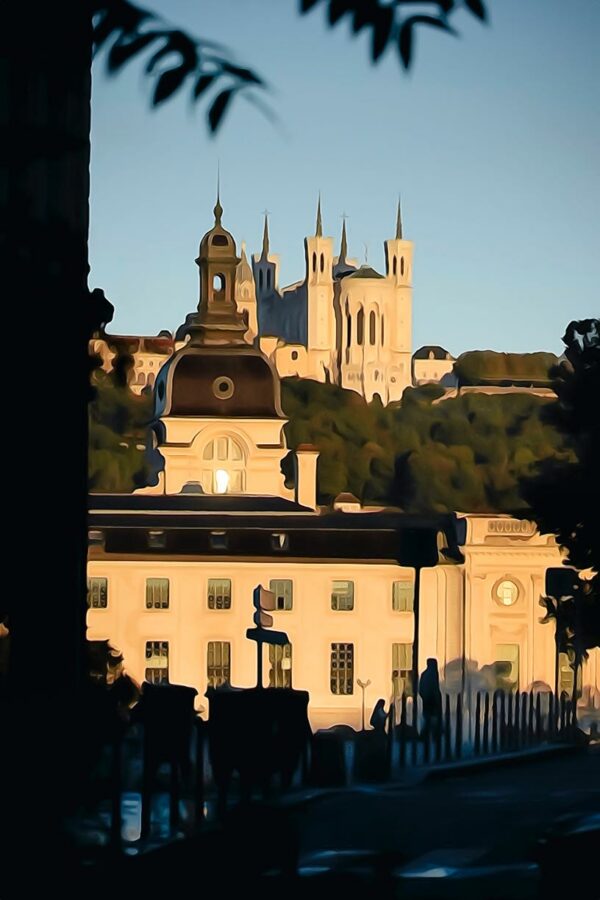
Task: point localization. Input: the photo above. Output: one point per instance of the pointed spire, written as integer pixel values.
(218, 209)
(319, 228)
(399, 222)
(265, 244)
(343, 242)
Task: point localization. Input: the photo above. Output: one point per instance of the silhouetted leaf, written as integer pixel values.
(382, 28)
(305, 5)
(337, 9)
(433, 21)
(218, 108)
(405, 44)
(122, 51)
(240, 72)
(156, 57)
(202, 84)
(477, 8)
(168, 83)
(363, 16)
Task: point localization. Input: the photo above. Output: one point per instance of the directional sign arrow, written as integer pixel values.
(267, 636)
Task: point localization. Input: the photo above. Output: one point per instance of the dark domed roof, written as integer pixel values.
(365, 272)
(429, 349)
(217, 242)
(232, 382)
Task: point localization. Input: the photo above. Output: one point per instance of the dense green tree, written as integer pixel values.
(563, 493)
(490, 367)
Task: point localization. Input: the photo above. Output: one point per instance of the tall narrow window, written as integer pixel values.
(372, 328)
(402, 265)
(268, 279)
(314, 262)
(97, 593)
(157, 593)
(349, 329)
(219, 593)
(283, 590)
(403, 596)
(157, 662)
(402, 660)
(382, 333)
(342, 595)
(260, 279)
(218, 663)
(360, 327)
(224, 464)
(394, 265)
(566, 676)
(280, 673)
(322, 263)
(342, 669)
(507, 665)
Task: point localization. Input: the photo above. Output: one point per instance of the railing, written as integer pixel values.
(466, 728)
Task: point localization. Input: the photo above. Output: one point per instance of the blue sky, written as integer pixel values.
(492, 139)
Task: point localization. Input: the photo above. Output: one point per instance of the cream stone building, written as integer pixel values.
(172, 568)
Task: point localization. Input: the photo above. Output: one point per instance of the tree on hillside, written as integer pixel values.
(564, 494)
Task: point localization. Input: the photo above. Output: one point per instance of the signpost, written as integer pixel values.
(264, 601)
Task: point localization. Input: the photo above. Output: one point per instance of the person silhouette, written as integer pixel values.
(378, 716)
(431, 697)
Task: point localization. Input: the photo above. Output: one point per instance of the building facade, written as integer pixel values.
(172, 568)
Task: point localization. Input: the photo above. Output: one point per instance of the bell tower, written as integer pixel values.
(217, 320)
(398, 339)
(320, 313)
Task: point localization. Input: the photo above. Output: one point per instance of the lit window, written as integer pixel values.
(224, 466)
(566, 676)
(157, 662)
(280, 674)
(219, 593)
(342, 669)
(98, 593)
(403, 596)
(506, 593)
(157, 593)
(342, 595)
(402, 660)
(507, 665)
(218, 663)
(283, 590)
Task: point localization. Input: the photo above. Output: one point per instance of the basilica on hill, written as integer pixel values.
(341, 323)
(172, 568)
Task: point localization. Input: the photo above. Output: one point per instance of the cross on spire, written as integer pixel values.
(218, 209)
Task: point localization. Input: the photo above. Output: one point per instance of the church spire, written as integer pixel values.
(319, 228)
(343, 242)
(265, 244)
(399, 222)
(218, 209)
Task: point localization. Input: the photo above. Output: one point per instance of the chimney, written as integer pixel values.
(306, 475)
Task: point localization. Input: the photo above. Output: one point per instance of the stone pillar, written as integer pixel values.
(306, 475)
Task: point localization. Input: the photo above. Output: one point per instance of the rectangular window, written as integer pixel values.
(157, 662)
(219, 593)
(283, 590)
(218, 540)
(280, 675)
(157, 540)
(402, 660)
(218, 663)
(280, 541)
(342, 669)
(403, 596)
(507, 665)
(342, 595)
(97, 593)
(157, 593)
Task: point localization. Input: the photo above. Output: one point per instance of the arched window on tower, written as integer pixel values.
(268, 279)
(382, 333)
(223, 467)
(260, 280)
(322, 263)
(218, 286)
(314, 262)
(348, 327)
(402, 265)
(360, 327)
(372, 328)
(394, 265)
